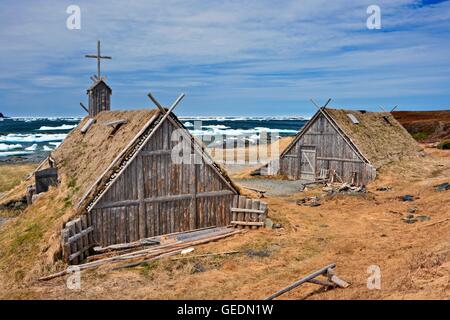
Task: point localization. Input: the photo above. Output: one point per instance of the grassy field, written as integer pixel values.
(12, 174)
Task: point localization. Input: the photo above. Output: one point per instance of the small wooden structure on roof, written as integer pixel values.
(99, 93)
(349, 143)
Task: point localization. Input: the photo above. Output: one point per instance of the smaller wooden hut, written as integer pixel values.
(352, 144)
(99, 97)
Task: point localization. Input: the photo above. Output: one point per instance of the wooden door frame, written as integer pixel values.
(308, 149)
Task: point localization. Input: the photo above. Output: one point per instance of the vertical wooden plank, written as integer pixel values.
(263, 207)
(80, 240)
(193, 223)
(140, 191)
(235, 204)
(113, 231)
(241, 205)
(84, 239)
(254, 216)
(104, 227)
(65, 244)
(73, 246)
(247, 215)
(89, 222)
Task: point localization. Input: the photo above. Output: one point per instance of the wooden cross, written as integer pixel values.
(98, 57)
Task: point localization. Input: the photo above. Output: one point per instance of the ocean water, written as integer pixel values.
(33, 138)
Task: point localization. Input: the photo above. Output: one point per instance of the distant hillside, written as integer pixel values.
(426, 126)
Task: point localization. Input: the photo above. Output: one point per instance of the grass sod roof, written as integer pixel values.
(378, 135)
(83, 158)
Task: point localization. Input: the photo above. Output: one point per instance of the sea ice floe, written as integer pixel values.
(6, 147)
(40, 137)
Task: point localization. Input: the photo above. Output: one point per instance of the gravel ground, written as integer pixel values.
(273, 187)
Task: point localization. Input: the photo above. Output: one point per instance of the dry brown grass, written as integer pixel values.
(355, 232)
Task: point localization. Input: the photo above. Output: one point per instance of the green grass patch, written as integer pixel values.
(420, 135)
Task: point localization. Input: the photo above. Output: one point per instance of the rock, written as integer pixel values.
(407, 198)
(19, 205)
(442, 187)
(384, 188)
(268, 223)
(314, 204)
(257, 253)
(411, 210)
(277, 226)
(35, 197)
(344, 187)
(423, 218)
(409, 220)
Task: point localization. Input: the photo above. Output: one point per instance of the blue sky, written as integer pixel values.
(230, 57)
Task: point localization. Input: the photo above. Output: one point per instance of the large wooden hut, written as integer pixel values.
(353, 144)
(121, 174)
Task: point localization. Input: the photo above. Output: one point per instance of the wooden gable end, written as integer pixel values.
(155, 196)
(320, 146)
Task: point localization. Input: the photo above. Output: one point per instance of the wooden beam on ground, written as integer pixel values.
(324, 283)
(301, 281)
(247, 223)
(332, 277)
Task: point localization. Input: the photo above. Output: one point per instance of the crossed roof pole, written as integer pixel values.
(162, 109)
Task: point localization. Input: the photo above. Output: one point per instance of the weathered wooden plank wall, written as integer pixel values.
(155, 196)
(332, 152)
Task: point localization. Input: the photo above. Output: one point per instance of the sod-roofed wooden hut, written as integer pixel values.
(353, 144)
(128, 182)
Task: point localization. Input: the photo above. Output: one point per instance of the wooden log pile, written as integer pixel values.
(138, 257)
